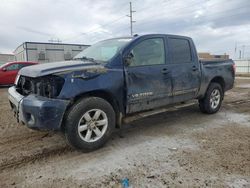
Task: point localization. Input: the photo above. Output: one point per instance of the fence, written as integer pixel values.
(242, 66)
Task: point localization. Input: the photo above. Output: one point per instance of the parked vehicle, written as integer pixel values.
(8, 71)
(114, 80)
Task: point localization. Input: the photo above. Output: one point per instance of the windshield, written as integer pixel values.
(103, 51)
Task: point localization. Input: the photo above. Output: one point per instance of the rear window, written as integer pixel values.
(181, 51)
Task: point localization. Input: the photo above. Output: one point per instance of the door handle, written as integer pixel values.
(194, 68)
(164, 71)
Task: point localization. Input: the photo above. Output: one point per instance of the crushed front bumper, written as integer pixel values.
(37, 112)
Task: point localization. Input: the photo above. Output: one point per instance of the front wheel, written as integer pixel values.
(89, 123)
(211, 103)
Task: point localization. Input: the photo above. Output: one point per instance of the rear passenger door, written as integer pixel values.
(148, 81)
(185, 69)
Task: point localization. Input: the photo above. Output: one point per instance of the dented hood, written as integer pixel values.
(57, 67)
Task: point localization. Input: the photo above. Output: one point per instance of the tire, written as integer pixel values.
(89, 123)
(211, 103)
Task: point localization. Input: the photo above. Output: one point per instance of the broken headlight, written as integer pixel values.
(47, 86)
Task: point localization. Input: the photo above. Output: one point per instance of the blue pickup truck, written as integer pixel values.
(116, 79)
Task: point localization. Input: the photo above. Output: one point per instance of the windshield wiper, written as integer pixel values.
(87, 58)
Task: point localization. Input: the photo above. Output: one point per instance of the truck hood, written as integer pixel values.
(57, 67)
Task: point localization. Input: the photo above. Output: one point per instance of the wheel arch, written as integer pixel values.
(216, 79)
(219, 80)
(110, 98)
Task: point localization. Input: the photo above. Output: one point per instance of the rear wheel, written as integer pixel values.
(89, 123)
(211, 103)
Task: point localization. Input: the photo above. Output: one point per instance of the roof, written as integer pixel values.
(51, 43)
(32, 62)
(56, 43)
(7, 54)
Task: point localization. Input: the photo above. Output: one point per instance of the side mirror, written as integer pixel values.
(4, 69)
(128, 59)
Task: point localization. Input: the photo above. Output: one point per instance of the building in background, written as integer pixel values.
(4, 58)
(47, 52)
(242, 66)
(208, 56)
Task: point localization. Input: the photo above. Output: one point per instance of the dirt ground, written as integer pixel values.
(184, 148)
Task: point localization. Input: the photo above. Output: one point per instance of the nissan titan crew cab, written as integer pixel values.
(116, 79)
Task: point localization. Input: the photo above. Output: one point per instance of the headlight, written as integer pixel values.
(48, 86)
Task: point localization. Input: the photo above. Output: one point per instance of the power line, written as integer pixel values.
(131, 20)
(177, 9)
(181, 8)
(173, 9)
(101, 26)
(164, 3)
(33, 31)
(95, 29)
(114, 21)
(213, 19)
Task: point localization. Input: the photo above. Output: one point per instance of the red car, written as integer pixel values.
(9, 71)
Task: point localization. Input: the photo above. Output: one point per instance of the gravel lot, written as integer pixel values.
(184, 148)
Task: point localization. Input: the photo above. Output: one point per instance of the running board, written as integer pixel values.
(141, 115)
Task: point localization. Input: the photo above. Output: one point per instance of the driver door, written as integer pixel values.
(147, 76)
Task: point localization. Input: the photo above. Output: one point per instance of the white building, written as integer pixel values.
(47, 52)
(4, 58)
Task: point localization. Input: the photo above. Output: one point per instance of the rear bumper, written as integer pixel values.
(37, 112)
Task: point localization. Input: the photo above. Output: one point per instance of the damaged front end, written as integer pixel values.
(35, 103)
(41, 93)
(47, 86)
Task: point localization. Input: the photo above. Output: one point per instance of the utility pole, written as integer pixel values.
(131, 11)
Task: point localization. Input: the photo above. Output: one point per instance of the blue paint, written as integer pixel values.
(132, 89)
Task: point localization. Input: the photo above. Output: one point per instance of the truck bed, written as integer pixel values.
(222, 70)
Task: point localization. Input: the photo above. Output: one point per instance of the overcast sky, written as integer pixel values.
(215, 25)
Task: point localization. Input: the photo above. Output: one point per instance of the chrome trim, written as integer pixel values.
(16, 99)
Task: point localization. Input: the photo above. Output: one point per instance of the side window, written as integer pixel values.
(148, 52)
(23, 65)
(12, 67)
(181, 51)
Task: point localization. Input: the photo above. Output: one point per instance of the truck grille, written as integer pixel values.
(47, 86)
